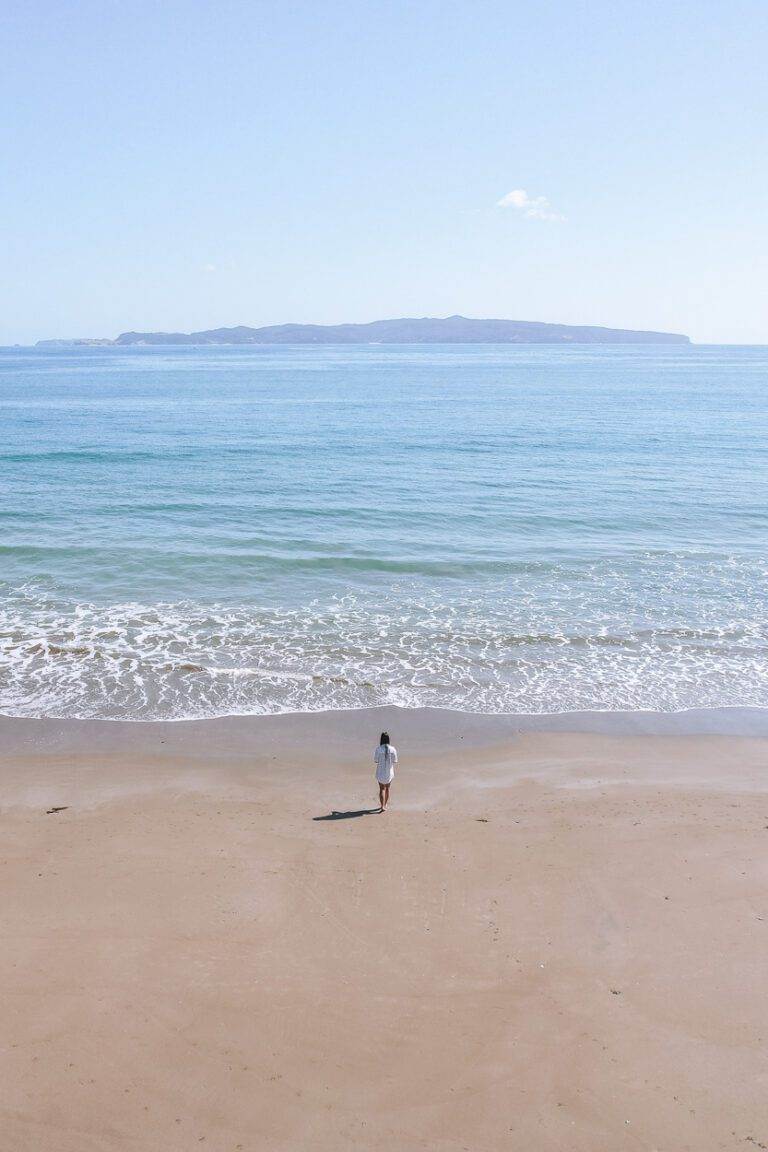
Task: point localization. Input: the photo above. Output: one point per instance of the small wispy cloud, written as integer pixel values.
(209, 267)
(534, 207)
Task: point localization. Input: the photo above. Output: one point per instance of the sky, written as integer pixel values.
(177, 166)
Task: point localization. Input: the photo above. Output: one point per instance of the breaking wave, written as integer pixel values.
(668, 635)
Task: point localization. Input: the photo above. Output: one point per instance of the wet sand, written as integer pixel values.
(553, 939)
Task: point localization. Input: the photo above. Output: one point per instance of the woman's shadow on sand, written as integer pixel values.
(349, 815)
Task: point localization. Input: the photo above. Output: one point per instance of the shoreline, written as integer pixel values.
(732, 720)
(702, 749)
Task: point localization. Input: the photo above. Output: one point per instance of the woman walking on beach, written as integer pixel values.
(385, 758)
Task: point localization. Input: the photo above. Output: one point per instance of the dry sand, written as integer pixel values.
(551, 940)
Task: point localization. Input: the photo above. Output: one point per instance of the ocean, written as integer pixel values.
(195, 532)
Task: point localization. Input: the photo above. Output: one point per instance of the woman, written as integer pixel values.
(385, 758)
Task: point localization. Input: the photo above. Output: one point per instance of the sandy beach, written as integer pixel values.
(553, 939)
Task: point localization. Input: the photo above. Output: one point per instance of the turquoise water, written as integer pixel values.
(204, 531)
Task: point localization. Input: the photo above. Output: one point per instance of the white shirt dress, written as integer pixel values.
(385, 758)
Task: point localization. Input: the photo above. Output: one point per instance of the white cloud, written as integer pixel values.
(209, 267)
(534, 207)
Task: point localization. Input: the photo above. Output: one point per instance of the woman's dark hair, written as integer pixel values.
(384, 738)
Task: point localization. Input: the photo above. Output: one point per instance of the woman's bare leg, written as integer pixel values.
(381, 796)
(386, 796)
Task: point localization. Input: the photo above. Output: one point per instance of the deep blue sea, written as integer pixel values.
(191, 532)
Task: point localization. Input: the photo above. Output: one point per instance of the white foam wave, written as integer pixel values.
(665, 637)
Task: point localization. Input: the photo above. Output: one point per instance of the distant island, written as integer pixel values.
(427, 330)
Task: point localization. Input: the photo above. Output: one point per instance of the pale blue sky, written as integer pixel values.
(185, 165)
